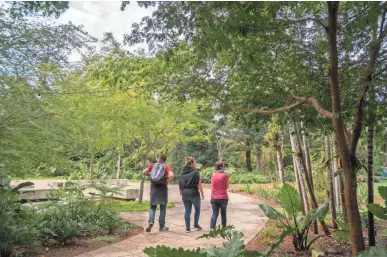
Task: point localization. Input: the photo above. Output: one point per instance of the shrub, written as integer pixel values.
(17, 225)
(235, 177)
(233, 248)
(248, 189)
(267, 193)
(295, 223)
(248, 178)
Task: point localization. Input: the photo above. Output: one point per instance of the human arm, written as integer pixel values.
(145, 172)
(201, 189)
(170, 175)
(227, 181)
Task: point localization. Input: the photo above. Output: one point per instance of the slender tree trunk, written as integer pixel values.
(336, 178)
(119, 166)
(92, 167)
(248, 157)
(280, 159)
(302, 166)
(305, 140)
(298, 182)
(297, 167)
(148, 149)
(259, 156)
(357, 240)
(328, 162)
(370, 179)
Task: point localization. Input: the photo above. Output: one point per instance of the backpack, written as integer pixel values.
(157, 174)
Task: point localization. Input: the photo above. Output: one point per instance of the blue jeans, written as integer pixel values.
(216, 205)
(188, 202)
(152, 214)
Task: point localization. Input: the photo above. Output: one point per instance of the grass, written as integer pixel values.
(132, 206)
(107, 239)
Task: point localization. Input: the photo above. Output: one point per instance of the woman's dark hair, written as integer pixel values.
(189, 160)
(219, 165)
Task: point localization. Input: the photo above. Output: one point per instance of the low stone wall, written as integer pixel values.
(42, 189)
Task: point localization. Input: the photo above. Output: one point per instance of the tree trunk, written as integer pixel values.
(279, 157)
(248, 157)
(92, 167)
(298, 182)
(119, 166)
(370, 179)
(336, 178)
(302, 166)
(259, 156)
(357, 240)
(305, 140)
(298, 169)
(328, 162)
(258, 159)
(148, 149)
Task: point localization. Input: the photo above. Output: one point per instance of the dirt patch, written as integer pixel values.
(77, 247)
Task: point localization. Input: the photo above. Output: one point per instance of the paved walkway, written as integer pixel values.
(243, 213)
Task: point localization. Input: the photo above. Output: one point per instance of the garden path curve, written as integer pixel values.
(243, 213)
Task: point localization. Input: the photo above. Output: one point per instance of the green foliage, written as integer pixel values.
(17, 225)
(362, 193)
(131, 206)
(374, 251)
(234, 247)
(295, 223)
(108, 239)
(267, 193)
(236, 177)
(378, 210)
(165, 251)
(223, 232)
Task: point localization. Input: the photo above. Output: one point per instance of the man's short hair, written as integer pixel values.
(162, 157)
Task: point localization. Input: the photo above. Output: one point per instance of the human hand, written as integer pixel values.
(202, 197)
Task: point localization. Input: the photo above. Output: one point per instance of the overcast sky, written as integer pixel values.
(106, 16)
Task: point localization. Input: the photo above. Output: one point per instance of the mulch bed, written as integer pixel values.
(328, 245)
(77, 247)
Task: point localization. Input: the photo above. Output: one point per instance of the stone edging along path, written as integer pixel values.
(243, 213)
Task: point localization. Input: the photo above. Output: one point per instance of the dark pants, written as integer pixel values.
(188, 202)
(216, 205)
(152, 214)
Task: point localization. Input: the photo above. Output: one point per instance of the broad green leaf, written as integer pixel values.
(342, 234)
(225, 232)
(233, 248)
(374, 251)
(342, 225)
(290, 199)
(383, 192)
(321, 212)
(378, 211)
(307, 220)
(165, 251)
(270, 212)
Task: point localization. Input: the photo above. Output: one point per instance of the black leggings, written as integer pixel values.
(216, 205)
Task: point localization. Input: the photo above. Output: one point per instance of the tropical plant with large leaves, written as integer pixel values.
(292, 219)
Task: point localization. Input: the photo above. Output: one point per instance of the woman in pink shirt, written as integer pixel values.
(219, 196)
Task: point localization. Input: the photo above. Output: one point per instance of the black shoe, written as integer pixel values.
(149, 228)
(198, 228)
(164, 229)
